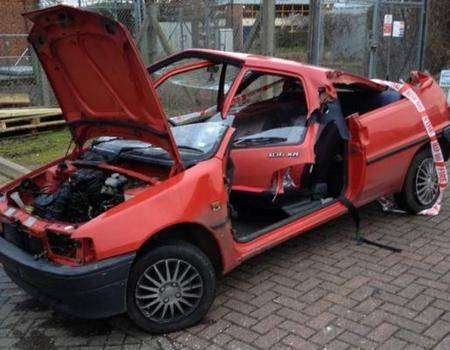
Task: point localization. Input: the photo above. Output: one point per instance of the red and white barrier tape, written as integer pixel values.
(407, 91)
(185, 118)
(237, 100)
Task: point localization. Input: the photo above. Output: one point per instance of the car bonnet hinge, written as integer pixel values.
(360, 239)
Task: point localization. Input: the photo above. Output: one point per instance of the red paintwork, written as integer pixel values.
(189, 196)
(93, 89)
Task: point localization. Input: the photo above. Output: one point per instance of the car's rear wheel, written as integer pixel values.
(170, 288)
(421, 188)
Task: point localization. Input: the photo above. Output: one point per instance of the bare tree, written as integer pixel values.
(437, 52)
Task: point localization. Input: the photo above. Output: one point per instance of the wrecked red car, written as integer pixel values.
(183, 170)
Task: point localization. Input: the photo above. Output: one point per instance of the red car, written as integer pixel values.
(183, 170)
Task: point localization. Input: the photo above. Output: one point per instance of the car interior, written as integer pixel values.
(355, 99)
(306, 188)
(268, 110)
(271, 110)
(322, 182)
(285, 110)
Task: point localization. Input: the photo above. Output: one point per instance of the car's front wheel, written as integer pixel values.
(421, 188)
(170, 288)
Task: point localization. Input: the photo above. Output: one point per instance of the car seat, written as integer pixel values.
(290, 107)
(327, 149)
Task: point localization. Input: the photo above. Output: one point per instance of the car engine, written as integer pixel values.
(84, 195)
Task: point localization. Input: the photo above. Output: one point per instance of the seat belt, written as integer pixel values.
(354, 213)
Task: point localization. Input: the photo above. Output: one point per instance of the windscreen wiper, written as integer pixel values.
(125, 150)
(98, 142)
(263, 140)
(191, 148)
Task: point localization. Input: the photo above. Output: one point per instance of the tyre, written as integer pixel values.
(421, 188)
(170, 288)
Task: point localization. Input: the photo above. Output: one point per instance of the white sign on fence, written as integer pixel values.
(387, 25)
(398, 30)
(444, 82)
(445, 78)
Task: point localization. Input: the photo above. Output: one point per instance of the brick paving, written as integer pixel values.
(318, 291)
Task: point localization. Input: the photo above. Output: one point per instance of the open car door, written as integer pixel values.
(273, 139)
(357, 159)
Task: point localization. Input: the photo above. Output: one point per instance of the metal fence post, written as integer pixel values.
(206, 26)
(423, 34)
(374, 39)
(268, 27)
(195, 25)
(152, 43)
(314, 29)
(181, 24)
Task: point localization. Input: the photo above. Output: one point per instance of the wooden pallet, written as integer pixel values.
(6, 113)
(14, 99)
(25, 120)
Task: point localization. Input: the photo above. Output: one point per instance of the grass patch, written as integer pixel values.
(33, 151)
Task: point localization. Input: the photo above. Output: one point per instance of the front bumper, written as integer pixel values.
(92, 291)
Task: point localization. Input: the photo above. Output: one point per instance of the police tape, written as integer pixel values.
(408, 92)
(237, 101)
(243, 98)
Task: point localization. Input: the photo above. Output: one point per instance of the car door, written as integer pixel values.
(357, 160)
(273, 135)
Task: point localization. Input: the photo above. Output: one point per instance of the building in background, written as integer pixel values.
(344, 41)
(13, 27)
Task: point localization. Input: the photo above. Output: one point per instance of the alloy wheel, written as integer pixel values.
(427, 187)
(168, 290)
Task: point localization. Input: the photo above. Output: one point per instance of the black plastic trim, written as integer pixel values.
(443, 133)
(446, 137)
(142, 158)
(396, 151)
(95, 290)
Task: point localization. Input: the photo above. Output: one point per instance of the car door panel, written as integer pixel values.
(389, 151)
(256, 166)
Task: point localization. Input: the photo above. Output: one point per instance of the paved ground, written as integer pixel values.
(319, 291)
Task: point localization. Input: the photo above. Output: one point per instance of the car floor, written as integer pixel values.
(244, 225)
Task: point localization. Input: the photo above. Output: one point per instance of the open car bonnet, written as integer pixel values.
(98, 77)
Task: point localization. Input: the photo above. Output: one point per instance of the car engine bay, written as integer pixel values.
(107, 173)
(84, 195)
(78, 191)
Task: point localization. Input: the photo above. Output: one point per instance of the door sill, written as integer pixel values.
(297, 213)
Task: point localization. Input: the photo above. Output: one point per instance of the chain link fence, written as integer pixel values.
(22, 79)
(437, 54)
(401, 53)
(224, 25)
(161, 27)
(17, 78)
(338, 22)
